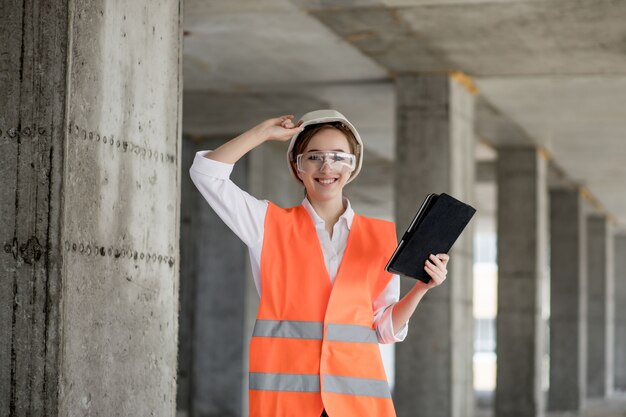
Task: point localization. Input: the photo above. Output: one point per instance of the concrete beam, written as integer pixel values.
(496, 128)
(439, 38)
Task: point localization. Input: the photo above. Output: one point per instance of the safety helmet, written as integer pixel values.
(326, 116)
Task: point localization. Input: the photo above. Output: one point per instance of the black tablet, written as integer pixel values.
(437, 224)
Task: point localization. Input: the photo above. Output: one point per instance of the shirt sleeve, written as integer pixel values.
(383, 309)
(241, 212)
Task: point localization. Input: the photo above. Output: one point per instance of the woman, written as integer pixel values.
(326, 301)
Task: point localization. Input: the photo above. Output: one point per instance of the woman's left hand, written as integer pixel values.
(435, 266)
(403, 309)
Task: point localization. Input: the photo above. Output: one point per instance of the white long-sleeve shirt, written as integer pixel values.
(245, 216)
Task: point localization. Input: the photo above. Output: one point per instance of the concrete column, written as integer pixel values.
(32, 131)
(435, 153)
(620, 313)
(522, 240)
(600, 320)
(89, 161)
(568, 300)
(213, 281)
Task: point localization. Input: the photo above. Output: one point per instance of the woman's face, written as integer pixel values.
(326, 184)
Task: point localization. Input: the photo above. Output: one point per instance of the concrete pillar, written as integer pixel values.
(620, 313)
(522, 240)
(435, 153)
(568, 300)
(32, 131)
(89, 161)
(600, 263)
(213, 282)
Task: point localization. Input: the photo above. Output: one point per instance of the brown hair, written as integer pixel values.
(309, 131)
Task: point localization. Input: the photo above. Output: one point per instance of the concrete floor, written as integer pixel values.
(614, 406)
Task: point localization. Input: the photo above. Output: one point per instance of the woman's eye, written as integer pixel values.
(315, 158)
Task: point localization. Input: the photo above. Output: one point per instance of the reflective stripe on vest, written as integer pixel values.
(350, 333)
(366, 387)
(314, 330)
(289, 328)
(264, 381)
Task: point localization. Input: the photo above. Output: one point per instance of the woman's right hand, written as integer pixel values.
(279, 128)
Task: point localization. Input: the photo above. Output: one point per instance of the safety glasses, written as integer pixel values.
(338, 162)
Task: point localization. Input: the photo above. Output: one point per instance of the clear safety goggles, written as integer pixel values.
(339, 162)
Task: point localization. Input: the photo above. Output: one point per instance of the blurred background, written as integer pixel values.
(439, 90)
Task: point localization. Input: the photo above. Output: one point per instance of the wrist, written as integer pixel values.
(420, 288)
(254, 137)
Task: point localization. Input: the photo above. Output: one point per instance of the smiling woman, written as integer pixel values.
(314, 349)
(328, 159)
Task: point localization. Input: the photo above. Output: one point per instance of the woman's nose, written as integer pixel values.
(325, 167)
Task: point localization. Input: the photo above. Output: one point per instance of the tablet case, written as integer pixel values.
(434, 229)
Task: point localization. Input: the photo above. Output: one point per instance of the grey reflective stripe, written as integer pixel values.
(314, 330)
(263, 381)
(350, 333)
(366, 387)
(289, 328)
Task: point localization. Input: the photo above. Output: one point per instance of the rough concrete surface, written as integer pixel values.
(33, 50)
(90, 208)
(487, 38)
(522, 240)
(120, 218)
(620, 313)
(434, 153)
(568, 301)
(600, 307)
(213, 282)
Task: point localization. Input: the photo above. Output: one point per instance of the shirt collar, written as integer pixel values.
(347, 216)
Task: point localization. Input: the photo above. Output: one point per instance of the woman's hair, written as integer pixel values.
(309, 131)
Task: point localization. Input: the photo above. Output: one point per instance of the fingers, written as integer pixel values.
(287, 132)
(437, 261)
(286, 122)
(435, 273)
(435, 266)
(443, 256)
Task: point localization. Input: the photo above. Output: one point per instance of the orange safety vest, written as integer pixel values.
(313, 344)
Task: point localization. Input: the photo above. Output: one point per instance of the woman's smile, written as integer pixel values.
(326, 181)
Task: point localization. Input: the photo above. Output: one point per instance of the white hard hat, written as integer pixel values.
(326, 116)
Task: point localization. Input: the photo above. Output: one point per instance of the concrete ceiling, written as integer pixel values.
(549, 72)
